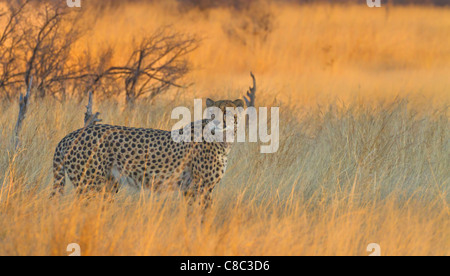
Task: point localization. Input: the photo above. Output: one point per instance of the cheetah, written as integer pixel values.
(105, 157)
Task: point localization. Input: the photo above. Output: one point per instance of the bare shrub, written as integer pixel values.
(23, 107)
(157, 63)
(252, 19)
(38, 40)
(11, 41)
(96, 78)
(48, 46)
(254, 22)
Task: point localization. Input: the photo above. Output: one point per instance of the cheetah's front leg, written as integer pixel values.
(200, 192)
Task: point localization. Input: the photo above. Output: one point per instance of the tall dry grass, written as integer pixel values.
(356, 164)
(315, 53)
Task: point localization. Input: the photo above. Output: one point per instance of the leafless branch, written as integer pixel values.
(156, 65)
(41, 47)
(23, 106)
(48, 49)
(89, 118)
(11, 42)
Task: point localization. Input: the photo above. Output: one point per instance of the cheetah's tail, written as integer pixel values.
(58, 174)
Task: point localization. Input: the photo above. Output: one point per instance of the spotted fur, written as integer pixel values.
(104, 157)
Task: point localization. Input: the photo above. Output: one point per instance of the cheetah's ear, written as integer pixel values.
(209, 102)
(239, 103)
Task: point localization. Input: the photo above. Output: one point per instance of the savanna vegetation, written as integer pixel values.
(364, 151)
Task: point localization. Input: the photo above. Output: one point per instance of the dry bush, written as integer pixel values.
(255, 21)
(38, 44)
(156, 64)
(10, 42)
(39, 40)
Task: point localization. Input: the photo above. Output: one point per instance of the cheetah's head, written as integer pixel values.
(232, 108)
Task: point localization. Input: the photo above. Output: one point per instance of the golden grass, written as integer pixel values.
(315, 51)
(356, 164)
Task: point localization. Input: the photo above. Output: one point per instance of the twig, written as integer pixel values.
(23, 106)
(89, 118)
